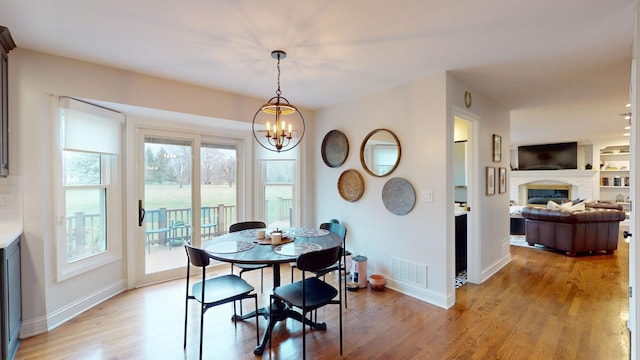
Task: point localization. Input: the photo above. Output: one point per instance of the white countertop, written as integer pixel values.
(9, 232)
(461, 212)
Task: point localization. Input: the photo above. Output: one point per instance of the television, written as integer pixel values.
(548, 156)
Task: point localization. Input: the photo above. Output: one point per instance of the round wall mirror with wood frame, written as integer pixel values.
(380, 152)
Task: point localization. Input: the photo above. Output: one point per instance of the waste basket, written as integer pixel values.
(359, 270)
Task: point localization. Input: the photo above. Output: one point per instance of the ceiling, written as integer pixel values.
(562, 67)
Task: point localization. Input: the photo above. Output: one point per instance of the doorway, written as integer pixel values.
(460, 182)
(188, 190)
(466, 262)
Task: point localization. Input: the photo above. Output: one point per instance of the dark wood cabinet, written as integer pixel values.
(6, 45)
(10, 298)
(461, 243)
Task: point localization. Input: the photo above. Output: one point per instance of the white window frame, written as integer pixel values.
(111, 175)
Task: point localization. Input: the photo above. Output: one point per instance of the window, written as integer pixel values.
(278, 192)
(89, 229)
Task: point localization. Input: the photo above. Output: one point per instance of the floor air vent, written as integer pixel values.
(409, 272)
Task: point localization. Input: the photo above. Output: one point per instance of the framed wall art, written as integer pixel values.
(497, 148)
(491, 180)
(502, 180)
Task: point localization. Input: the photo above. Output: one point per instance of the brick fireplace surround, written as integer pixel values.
(583, 182)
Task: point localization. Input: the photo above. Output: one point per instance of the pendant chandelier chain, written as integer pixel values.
(278, 92)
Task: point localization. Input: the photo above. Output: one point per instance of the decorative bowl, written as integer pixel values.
(377, 282)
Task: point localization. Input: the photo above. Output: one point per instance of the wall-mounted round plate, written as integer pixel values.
(335, 148)
(398, 196)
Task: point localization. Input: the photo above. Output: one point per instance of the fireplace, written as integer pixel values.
(540, 195)
(581, 183)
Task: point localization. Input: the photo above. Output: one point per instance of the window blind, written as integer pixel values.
(90, 128)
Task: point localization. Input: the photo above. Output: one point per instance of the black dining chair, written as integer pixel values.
(335, 227)
(311, 293)
(249, 267)
(213, 291)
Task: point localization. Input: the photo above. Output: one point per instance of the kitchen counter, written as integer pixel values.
(460, 212)
(9, 232)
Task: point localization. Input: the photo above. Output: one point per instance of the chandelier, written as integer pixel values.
(278, 125)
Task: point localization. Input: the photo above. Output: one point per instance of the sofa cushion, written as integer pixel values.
(568, 206)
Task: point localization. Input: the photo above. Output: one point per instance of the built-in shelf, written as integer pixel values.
(614, 173)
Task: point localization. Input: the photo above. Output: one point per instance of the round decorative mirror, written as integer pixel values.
(380, 152)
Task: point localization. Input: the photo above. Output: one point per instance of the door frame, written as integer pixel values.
(634, 251)
(474, 272)
(136, 248)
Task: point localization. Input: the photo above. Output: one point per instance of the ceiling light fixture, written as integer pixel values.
(278, 125)
(627, 116)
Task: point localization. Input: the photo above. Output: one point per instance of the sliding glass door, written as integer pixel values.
(218, 187)
(167, 202)
(188, 194)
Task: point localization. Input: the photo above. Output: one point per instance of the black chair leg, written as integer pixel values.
(255, 298)
(304, 336)
(345, 292)
(235, 320)
(291, 274)
(202, 310)
(270, 315)
(186, 307)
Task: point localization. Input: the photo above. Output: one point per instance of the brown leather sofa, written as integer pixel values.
(593, 229)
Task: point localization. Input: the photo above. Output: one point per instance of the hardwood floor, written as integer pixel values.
(542, 305)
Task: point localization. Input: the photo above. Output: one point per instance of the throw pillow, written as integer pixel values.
(578, 207)
(566, 206)
(552, 205)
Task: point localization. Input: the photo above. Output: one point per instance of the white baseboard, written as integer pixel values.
(425, 295)
(32, 327)
(495, 267)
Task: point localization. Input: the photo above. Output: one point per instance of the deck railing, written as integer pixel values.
(85, 229)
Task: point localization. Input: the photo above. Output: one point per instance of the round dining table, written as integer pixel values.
(243, 247)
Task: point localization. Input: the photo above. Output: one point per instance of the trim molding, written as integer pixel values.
(32, 327)
(425, 295)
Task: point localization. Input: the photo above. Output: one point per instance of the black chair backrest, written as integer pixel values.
(246, 225)
(335, 228)
(196, 256)
(316, 260)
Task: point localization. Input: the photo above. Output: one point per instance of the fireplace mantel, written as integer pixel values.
(553, 173)
(583, 182)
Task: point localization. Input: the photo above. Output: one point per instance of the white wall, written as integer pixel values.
(420, 115)
(34, 77)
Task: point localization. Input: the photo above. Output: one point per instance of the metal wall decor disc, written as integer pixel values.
(398, 196)
(335, 148)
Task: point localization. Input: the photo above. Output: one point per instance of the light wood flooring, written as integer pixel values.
(542, 305)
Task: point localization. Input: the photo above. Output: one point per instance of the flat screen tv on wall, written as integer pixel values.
(548, 156)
